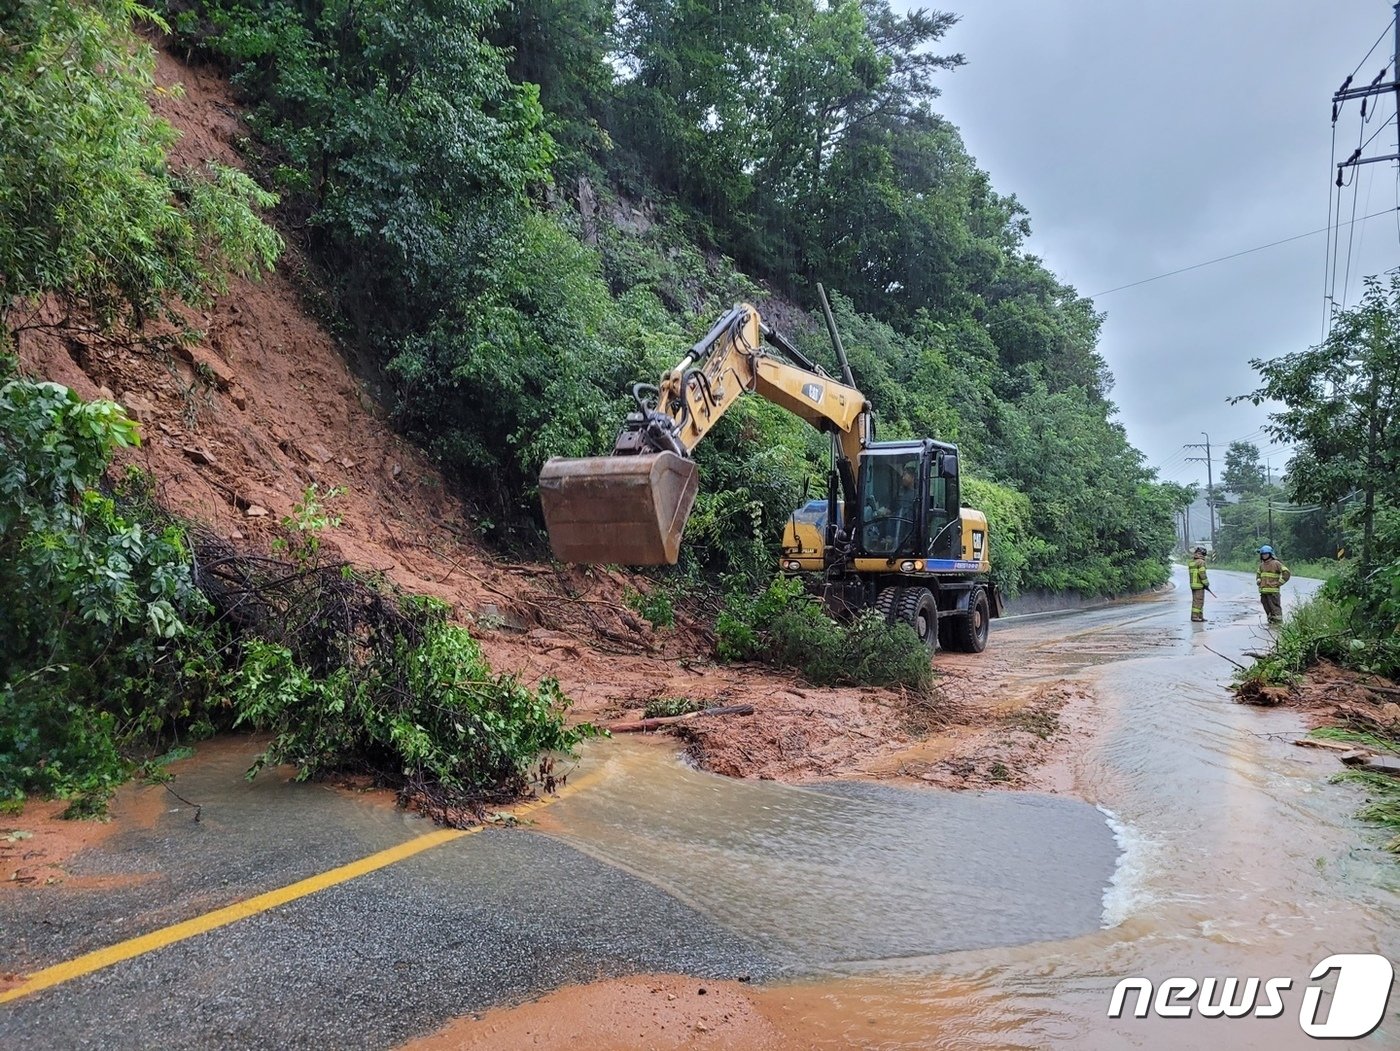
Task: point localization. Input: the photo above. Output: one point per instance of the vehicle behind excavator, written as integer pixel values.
(891, 533)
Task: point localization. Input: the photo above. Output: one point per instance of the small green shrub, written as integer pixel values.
(654, 606)
(784, 625)
(98, 647)
(668, 707)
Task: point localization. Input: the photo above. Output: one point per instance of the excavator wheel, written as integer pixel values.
(887, 602)
(919, 609)
(967, 633)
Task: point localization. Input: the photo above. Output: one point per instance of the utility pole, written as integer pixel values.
(1269, 473)
(1210, 477)
(1346, 92)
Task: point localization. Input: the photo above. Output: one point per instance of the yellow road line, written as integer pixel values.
(159, 939)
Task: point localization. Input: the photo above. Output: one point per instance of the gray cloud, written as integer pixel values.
(1147, 137)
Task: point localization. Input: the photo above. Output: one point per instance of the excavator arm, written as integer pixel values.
(631, 507)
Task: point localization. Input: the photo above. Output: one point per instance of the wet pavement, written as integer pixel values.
(1200, 842)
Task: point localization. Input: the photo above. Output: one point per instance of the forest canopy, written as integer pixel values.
(517, 209)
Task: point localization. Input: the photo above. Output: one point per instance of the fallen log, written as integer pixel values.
(1383, 764)
(642, 725)
(1322, 742)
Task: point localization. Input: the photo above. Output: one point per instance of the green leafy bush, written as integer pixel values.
(655, 606)
(96, 647)
(1314, 630)
(90, 210)
(109, 648)
(436, 718)
(668, 707)
(784, 625)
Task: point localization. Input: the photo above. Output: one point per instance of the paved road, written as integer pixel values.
(365, 964)
(488, 919)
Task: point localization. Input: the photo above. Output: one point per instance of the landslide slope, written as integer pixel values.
(235, 427)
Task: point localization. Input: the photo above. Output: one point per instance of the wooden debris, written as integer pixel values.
(1383, 764)
(642, 725)
(1322, 742)
(1355, 757)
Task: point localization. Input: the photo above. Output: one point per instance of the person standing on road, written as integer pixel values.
(1200, 583)
(1271, 576)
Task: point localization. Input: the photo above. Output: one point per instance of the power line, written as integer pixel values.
(1236, 255)
(1377, 44)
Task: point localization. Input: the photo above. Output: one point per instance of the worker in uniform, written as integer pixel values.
(1200, 582)
(1271, 575)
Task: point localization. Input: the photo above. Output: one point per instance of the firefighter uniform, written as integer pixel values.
(1199, 583)
(1271, 575)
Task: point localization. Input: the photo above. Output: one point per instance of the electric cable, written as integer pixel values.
(1232, 255)
(1377, 44)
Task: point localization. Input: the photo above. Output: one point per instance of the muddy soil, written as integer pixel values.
(657, 1012)
(264, 404)
(1334, 696)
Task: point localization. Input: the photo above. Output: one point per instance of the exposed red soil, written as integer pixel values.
(37, 841)
(265, 404)
(1333, 696)
(657, 1012)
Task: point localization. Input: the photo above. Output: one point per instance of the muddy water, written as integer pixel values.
(926, 919)
(850, 873)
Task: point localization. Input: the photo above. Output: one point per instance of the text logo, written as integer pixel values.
(1357, 1004)
(812, 391)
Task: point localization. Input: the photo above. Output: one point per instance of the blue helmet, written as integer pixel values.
(1266, 550)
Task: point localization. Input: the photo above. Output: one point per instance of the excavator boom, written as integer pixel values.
(630, 508)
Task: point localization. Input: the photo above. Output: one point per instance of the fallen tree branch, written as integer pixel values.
(1222, 656)
(642, 725)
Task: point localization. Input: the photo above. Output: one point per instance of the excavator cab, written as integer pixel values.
(909, 501)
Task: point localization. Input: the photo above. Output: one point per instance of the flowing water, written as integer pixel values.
(1194, 841)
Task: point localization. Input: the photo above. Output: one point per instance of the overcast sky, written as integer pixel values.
(1147, 137)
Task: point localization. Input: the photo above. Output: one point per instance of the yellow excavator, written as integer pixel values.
(889, 535)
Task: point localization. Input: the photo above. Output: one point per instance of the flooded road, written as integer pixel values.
(1232, 857)
(1187, 837)
(847, 874)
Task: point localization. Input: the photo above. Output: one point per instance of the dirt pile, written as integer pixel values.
(237, 426)
(1334, 696)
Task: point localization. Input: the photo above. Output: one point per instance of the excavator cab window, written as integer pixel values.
(889, 501)
(942, 533)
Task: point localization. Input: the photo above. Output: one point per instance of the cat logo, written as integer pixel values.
(813, 391)
(978, 539)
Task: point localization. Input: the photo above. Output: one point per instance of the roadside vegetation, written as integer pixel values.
(128, 632)
(1340, 404)
(786, 626)
(123, 630)
(1320, 569)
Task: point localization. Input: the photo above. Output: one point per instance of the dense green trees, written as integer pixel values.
(90, 211)
(519, 209)
(1340, 404)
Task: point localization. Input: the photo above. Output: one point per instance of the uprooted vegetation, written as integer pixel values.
(1323, 664)
(128, 630)
(786, 626)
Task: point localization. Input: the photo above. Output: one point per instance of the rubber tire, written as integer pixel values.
(919, 609)
(968, 633)
(887, 602)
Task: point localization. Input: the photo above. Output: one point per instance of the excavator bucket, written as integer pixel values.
(629, 510)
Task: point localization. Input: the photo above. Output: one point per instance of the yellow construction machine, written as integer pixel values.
(890, 533)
